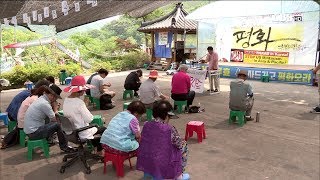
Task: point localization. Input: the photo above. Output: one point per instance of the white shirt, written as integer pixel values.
(149, 91)
(96, 81)
(77, 112)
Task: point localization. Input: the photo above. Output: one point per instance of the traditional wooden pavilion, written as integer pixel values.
(174, 22)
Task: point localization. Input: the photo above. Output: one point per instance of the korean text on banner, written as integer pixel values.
(197, 79)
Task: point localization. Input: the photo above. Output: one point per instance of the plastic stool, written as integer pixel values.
(147, 176)
(180, 105)
(238, 116)
(12, 125)
(96, 102)
(149, 114)
(68, 80)
(22, 137)
(117, 161)
(126, 93)
(198, 127)
(265, 78)
(42, 143)
(125, 105)
(4, 118)
(97, 119)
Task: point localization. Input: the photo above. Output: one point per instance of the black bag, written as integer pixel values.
(105, 102)
(11, 139)
(194, 109)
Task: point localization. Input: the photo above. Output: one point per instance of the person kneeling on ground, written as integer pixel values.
(181, 86)
(133, 81)
(101, 91)
(76, 111)
(241, 95)
(160, 138)
(123, 132)
(44, 107)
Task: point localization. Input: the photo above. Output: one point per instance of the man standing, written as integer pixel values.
(101, 91)
(241, 95)
(212, 58)
(149, 91)
(133, 81)
(181, 86)
(46, 106)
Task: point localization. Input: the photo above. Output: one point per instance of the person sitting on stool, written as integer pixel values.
(181, 86)
(133, 81)
(241, 95)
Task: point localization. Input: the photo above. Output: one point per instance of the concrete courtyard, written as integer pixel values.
(284, 145)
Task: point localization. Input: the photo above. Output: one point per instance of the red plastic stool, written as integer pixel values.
(117, 161)
(198, 127)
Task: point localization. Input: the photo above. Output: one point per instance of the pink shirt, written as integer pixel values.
(23, 109)
(213, 60)
(180, 83)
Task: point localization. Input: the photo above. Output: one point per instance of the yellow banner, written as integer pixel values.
(266, 57)
(280, 37)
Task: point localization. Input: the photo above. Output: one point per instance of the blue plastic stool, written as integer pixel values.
(4, 118)
(29, 86)
(68, 80)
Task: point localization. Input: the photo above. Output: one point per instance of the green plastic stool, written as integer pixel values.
(22, 138)
(180, 105)
(125, 105)
(149, 114)
(238, 116)
(96, 102)
(42, 143)
(60, 112)
(97, 119)
(90, 146)
(126, 93)
(265, 78)
(11, 125)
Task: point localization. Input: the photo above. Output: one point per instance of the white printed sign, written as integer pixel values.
(77, 7)
(39, 17)
(25, 17)
(197, 79)
(34, 15)
(54, 14)
(46, 12)
(163, 38)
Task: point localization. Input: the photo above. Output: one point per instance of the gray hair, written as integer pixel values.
(183, 67)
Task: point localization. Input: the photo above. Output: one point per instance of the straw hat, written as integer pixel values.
(78, 83)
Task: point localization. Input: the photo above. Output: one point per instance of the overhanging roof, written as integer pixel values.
(87, 13)
(174, 21)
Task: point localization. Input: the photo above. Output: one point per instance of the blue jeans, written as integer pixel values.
(47, 130)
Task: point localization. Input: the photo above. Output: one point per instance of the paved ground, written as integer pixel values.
(283, 145)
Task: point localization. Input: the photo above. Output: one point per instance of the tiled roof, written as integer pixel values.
(174, 21)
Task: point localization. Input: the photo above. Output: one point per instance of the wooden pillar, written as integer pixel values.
(175, 48)
(152, 47)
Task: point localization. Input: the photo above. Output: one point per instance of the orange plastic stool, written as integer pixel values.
(117, 161)
(198, 127)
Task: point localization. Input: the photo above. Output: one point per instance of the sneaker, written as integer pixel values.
(216, 90)
(210, 90)
(249, 118)
(315, 110)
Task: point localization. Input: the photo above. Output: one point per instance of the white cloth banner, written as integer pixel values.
(197, 79)
(163, 38)
(39, 17)
(54, 14)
